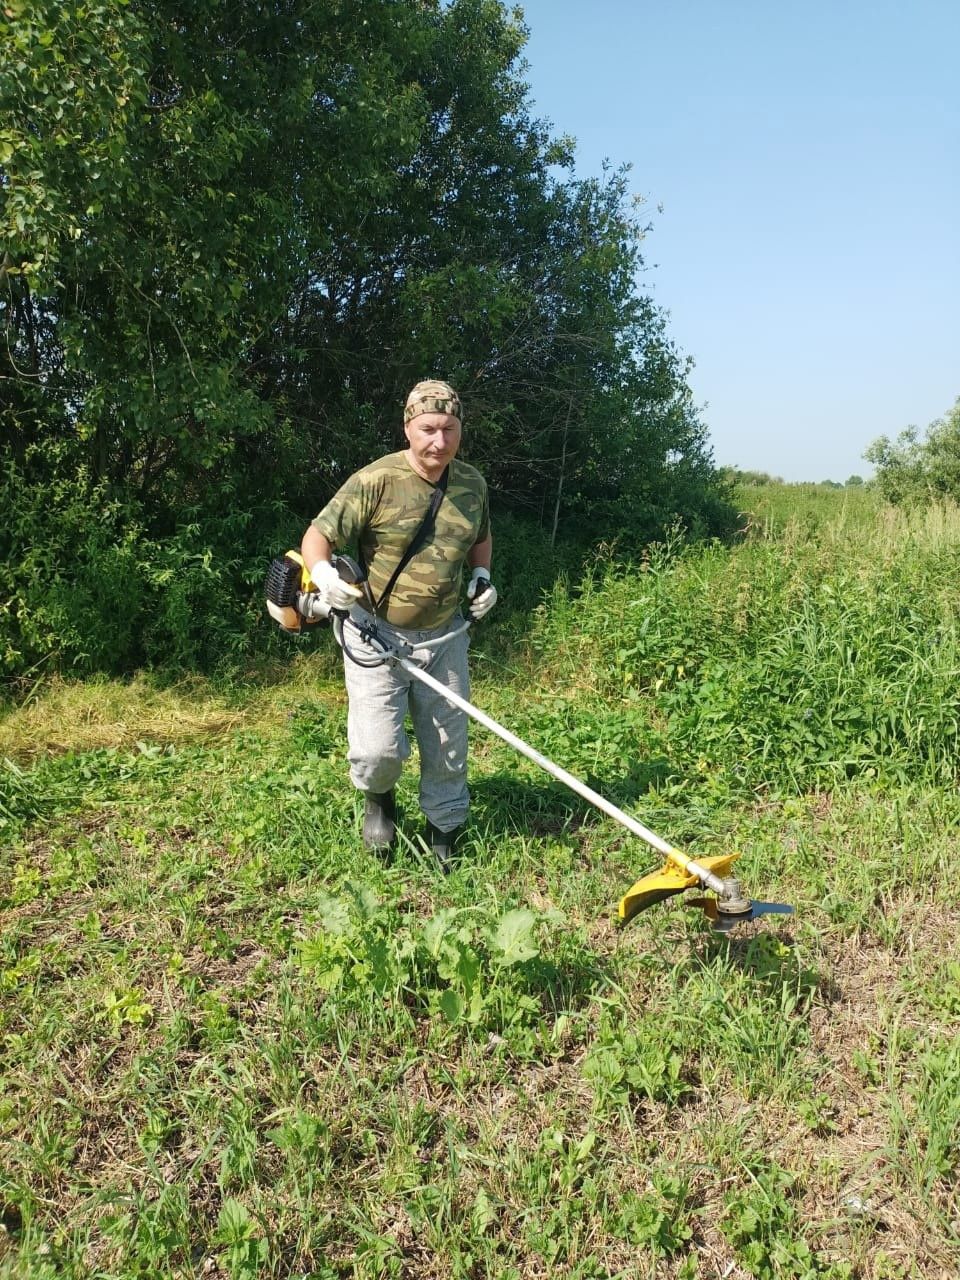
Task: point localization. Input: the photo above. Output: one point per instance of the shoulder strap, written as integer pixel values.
(419, 538)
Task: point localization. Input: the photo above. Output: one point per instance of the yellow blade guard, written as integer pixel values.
(669, 880)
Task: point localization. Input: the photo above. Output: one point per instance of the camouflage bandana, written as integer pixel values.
(432, 397)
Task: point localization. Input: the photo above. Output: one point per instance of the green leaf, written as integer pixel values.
(451, 1006)
(483, 1213)
(513, 938)
(436, 928)
(234, 1224)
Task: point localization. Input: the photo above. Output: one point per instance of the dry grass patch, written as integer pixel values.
(73, 716)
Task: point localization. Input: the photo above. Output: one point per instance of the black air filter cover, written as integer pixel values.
(283, 582)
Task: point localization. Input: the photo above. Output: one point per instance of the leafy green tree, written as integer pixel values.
(234, 234)
(912, 469)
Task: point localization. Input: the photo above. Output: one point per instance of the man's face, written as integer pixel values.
(434, 439)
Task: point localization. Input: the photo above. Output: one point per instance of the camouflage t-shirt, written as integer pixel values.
(380, 508)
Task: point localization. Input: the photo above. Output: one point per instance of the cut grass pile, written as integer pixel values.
(235, 1045)
(63, 716)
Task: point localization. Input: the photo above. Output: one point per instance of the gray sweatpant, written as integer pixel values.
(379, 698)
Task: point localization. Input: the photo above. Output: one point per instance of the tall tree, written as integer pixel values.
(235, 233)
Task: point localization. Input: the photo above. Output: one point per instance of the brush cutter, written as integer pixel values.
(292, 599)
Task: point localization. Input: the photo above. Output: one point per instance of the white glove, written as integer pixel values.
(334, 593)
(481, 593)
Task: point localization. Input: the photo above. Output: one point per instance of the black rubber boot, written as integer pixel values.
(444, 845)
(379, 821)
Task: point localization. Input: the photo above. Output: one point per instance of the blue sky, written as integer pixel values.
(807, 158)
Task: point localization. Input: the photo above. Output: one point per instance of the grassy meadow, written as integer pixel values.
(234, 1045)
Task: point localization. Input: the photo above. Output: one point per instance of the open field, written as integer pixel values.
(234, 1045)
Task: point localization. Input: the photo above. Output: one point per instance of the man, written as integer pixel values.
(380, 508)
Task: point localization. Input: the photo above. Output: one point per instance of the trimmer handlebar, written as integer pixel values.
(351, 572)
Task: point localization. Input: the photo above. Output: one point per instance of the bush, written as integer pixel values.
(87, 587)
(912, 470)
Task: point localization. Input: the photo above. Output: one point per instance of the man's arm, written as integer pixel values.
(315, 546)
(480, 554)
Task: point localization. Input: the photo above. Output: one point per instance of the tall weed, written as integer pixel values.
(829, 652)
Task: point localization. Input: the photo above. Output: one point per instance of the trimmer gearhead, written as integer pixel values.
(732, 907)
(732, 901)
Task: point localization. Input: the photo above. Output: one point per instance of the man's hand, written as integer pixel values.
(481, 593)
(334, 593)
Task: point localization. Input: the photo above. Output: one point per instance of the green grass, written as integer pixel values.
(235, 1045)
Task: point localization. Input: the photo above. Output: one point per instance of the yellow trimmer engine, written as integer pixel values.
(288, 582)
